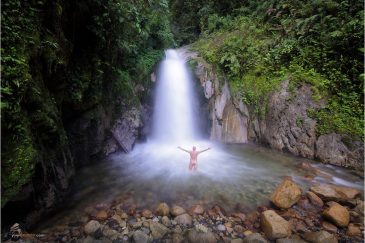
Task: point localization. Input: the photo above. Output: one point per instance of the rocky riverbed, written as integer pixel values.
(324, 214)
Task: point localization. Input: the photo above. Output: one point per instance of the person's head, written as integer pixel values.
(194, 148)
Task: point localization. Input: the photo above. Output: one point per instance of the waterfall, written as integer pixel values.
(173, 120)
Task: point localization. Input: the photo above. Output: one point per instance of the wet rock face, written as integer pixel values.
(331, 149)
(286, 126)
(126, 129)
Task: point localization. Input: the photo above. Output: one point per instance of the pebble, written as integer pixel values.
(221, 227)
(91, 227)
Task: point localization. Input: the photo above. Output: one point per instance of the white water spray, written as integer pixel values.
(173, 120)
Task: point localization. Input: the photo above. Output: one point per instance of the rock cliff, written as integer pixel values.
(285, 126)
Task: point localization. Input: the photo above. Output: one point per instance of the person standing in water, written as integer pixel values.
(193, 165)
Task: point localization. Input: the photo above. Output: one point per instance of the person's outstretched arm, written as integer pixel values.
(204, 150)
(183, 149)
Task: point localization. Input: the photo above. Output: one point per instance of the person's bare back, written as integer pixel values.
(193, 165)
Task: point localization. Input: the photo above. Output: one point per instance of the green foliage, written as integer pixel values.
(315, 42)
(55, 67)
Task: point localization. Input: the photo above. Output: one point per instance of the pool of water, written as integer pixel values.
(236, 177)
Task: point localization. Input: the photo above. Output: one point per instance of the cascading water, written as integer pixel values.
(173, 120)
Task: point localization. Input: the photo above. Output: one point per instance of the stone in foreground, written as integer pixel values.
(314, 199)
(353, 231)
(163, 209)
(158, 230)
(177, 210)
(320, 237)
(337, 214)
(274, 226)
(91, 227)
(286, 194)
(184, 219)
(140, 237)
(292, 239)
(254, 238)
(199, 237)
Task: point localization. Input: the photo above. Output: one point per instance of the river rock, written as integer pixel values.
(320, 237)
(166, 221)
(146, 213)
(221, 227)
(238, 228)
(199, 237)
(240, 216)
(177, 238)
(201, 228)
(336, 193)
(329, 227)
(314, 199)
(337, 214)
(237, 241)
(140, 237)
(101, 215)
(110, 233)
(292, 239)
(177, 210)
(158, 230)
(274, 226)
(286, 194)
(184, 219)
(326, 192)
(353, 231)
(197, 209)
(163, 209)
(254, 238)
(346, 192)
(91, 227)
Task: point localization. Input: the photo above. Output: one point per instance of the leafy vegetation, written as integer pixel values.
(61, 59)
(260, 44)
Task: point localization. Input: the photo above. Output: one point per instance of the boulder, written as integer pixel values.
(184, 219)
(177, 210)
(332, 149)
(198, 237)
(158, 230)
(163, 209)
(197, 209)
(336, 193)
(314, 199)
(274, 226)
(326, 192)
(346, 192)
(337, 214)
(91, 227)
(126, 129)
(320, 237)
(286, 194)
(254, 238)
